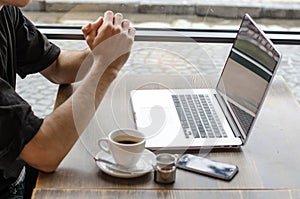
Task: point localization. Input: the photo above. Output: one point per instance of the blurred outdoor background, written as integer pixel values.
(153, 57)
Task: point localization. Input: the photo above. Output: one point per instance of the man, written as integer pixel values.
(43, 143)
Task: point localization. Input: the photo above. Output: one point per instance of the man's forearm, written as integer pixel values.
(61, 129)
(65, 69)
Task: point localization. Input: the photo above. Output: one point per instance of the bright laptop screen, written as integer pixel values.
(247, 73)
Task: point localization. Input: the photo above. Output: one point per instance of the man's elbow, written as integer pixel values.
(48, 168)
(44, 162)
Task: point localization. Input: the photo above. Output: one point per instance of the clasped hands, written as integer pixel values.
(110, 39)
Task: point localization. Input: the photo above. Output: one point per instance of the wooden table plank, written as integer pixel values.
(165, 194)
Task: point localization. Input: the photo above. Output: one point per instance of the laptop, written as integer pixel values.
(179, 119)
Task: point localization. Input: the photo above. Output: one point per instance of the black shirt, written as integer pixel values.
(23, 50)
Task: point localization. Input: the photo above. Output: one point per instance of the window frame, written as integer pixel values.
(173, 34)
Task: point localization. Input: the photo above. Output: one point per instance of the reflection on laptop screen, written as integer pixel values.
(248, 71)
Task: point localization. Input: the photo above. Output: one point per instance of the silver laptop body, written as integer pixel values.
(179, 119)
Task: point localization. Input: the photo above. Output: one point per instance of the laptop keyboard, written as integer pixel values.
(198, 117)
(244, 118)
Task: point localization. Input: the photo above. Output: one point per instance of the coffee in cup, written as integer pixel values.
(125, 145)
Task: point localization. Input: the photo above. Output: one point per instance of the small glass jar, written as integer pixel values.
(165, 168)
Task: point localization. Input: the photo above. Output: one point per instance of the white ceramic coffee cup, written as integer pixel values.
(125, 145)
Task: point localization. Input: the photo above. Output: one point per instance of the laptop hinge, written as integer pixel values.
(228, 116)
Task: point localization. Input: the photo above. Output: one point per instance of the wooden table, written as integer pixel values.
(269, 163)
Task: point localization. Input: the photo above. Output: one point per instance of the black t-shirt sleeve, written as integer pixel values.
(34, 51)
(18, 124)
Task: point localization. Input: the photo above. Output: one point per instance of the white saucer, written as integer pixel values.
(144, 165)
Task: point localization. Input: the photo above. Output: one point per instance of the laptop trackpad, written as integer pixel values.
(158, 123)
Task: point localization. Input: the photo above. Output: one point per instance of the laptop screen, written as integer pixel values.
(247, 74)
